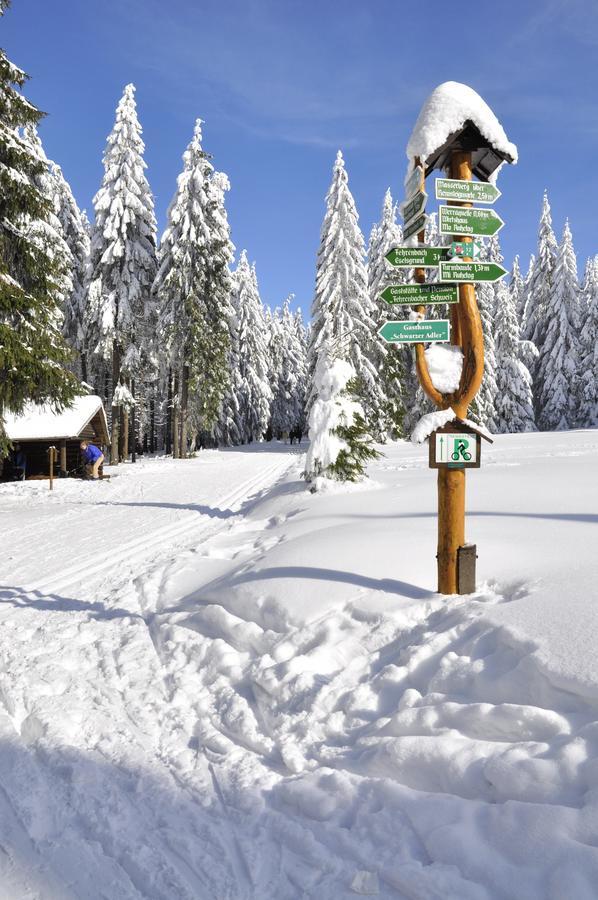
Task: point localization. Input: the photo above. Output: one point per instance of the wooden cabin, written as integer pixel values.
(38, 428)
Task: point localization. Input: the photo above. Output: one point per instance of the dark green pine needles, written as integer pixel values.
(33, 354)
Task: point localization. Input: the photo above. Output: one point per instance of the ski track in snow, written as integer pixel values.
(174, 746)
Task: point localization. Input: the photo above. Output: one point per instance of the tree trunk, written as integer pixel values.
(184, 411)
(133, 428)
(176, 435)
(168, 436)
(152, 433)
(114, 457)
(124, 433)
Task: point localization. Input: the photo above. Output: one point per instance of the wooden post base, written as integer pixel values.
(451, 527)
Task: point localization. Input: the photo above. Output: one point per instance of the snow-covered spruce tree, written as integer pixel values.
(484, 405)
(540, 283)
(227, 430)
(289, 359)
(558, 362)
(392, 360)
(33, 354)
(75, 231)
(255, 394)
(122, 267)
(587, 390)
(193, 287)
(340, 444)
(513, 402)
(342, 311)
(301, 338)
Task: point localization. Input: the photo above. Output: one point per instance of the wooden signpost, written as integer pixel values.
(456, 446)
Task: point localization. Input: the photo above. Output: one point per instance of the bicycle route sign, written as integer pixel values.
(454, 450)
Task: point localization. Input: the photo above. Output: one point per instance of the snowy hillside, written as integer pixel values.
(215, 684)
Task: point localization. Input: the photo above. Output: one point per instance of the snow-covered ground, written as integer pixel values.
(214, 684)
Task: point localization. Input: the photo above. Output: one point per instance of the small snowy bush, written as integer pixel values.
(340, 443)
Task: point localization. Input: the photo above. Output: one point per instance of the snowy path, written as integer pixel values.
(264, 698)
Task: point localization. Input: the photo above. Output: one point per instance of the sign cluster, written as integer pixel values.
(455, 263)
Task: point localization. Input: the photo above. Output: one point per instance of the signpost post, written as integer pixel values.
(464, 152)
(416, 294)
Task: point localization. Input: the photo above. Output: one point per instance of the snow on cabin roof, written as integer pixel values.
(445, 112)
(37, 423)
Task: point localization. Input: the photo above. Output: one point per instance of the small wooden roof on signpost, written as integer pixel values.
(454, 117)
(446, 419)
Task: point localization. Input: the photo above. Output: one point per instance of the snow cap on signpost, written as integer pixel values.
(454, 117)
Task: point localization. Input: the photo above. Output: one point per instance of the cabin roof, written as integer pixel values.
(42, 422)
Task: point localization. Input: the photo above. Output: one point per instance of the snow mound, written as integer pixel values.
(445, 111)
(445, 364)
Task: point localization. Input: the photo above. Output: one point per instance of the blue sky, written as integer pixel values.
(282, 84)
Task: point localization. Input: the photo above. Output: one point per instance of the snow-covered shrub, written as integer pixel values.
(340, 443)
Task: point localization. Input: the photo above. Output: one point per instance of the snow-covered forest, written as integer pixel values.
(173, 335)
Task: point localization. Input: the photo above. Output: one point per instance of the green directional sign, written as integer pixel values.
(466, 191)
(471, 249)
(413, 257)
(420, 294)
(459, 220)
(413, 207)
(415, 226)
(414, 182)
(471, 271)
(425, 331)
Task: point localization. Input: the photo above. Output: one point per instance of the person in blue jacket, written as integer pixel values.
(93, 458)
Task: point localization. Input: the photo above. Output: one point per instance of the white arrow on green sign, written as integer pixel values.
(425, 331)
(414, 182)
(412, 208)
(466, 191)
(471, 271)
(415, 226)
(420, 294)
(413, 257)
(459, 220)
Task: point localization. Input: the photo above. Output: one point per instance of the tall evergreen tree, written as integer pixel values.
(33, 354)
(541, 279)
(75, 230)
(513, 402)
(342, 311)
(122, 265)
(392, 361)
(255, 393)
(587, 391)
(193, 286)
(558, 361)
(484, 405)
(288, 391)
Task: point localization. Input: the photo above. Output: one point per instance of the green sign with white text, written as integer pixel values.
(420, 294)
(413, 257)
(413, 207)
(414, 182)
(459, 220)
(471, 271)
(424, 331)
(415, 226)
(466, 191)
